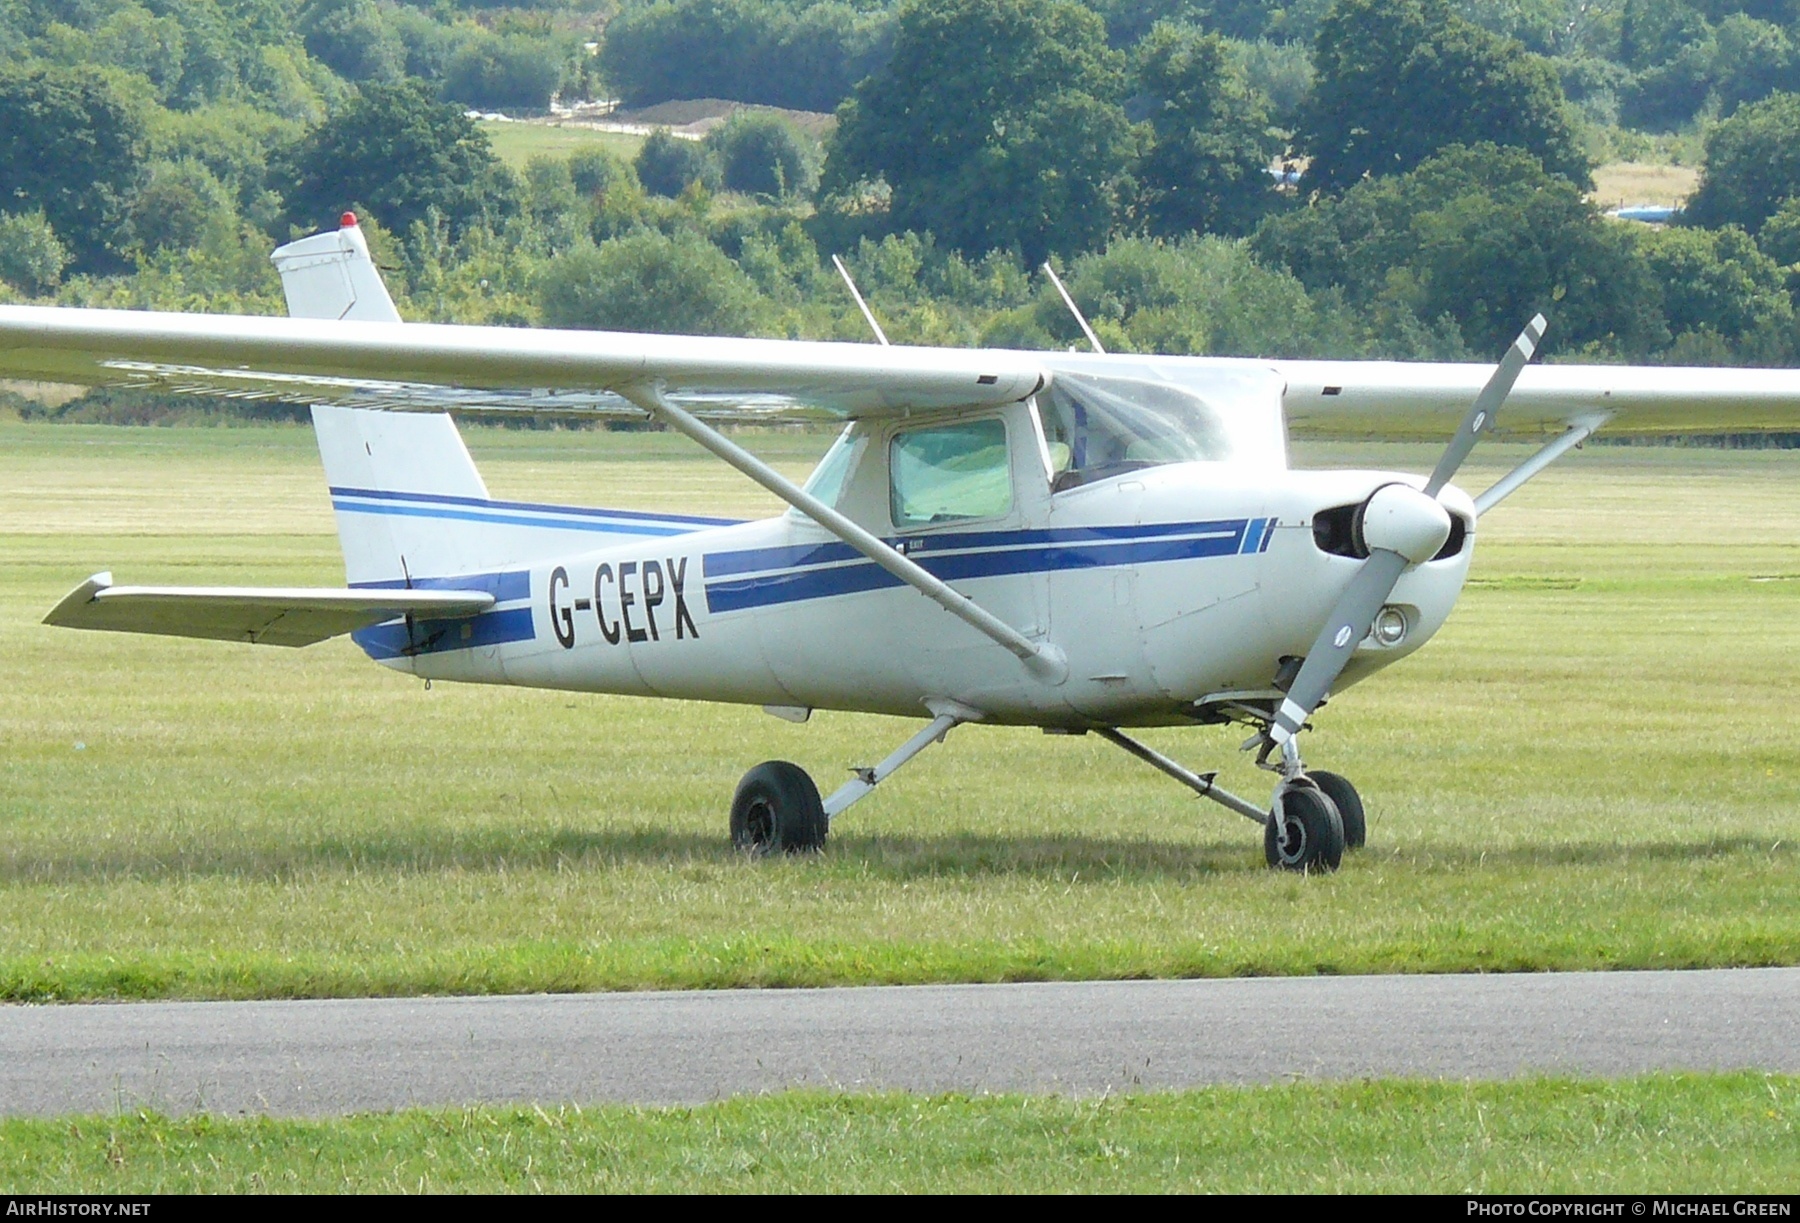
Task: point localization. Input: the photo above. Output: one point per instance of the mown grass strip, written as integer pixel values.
(1595, 765)
(1732, 1133)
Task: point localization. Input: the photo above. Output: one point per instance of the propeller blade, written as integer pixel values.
(1486, 405)
(1343, 632)
(1356, 608)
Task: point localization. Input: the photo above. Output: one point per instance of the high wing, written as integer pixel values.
(437, 367)
(1393, 399)
(434, 366)
(261, 615)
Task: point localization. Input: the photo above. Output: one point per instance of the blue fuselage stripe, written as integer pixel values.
(1256, 536)
(394, 639)
(685, 521)
(768, 589)
(513, 520)
(759, 560)
(505, 587)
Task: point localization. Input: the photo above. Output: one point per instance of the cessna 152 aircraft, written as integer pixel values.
(1076, 541)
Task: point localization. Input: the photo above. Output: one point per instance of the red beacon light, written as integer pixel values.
(348, 221)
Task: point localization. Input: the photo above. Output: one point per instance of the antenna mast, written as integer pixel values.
(860, 303)
(1073, 308)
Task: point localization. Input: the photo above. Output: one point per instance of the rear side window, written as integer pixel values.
(950, 472)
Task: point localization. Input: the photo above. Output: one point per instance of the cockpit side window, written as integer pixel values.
(950, 472)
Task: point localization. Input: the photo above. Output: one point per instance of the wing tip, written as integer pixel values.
(63, 614)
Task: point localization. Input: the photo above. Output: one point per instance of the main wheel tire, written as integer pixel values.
(1349, 803)
(776, 810)
(1304, 832)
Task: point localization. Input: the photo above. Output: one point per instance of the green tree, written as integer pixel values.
(1751, 60)
(760, 154)
(547, 189)
(1206, 170)
(1485, 237)
(353, 39)
(505, 71)
(179, 203)
(595, 170)
(1717, 283)
(1664, 96)
(997, 123)
(649, 282)
(399, 152)
(153, 47)
(610, 186)
(1288, 21)
(234, 140)
(1780, 238)
(1655, 31)
(1398, 80)
(1200, 295)
(32, 258)
(799, 55)
(666, 164)
(1752, 165)
(290, 82)
(72, 144)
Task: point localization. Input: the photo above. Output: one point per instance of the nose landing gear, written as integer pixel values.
(1314, 816)
(1304, 831)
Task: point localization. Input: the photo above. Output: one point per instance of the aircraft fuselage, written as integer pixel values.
(1163, 588)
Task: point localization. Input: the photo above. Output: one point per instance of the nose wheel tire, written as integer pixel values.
(1344, 797)
(1304, 831)
(776, 810)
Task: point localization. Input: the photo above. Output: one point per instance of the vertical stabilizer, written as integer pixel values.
(394, 479)
(332, 276)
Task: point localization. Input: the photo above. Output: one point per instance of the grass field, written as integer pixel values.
(517, 143)
(1593, 766)
(1622, 183)
(1660, 1134)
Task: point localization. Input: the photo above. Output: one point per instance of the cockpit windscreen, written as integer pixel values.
(1099, 427)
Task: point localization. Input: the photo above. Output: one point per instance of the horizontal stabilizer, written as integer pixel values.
(262, 615)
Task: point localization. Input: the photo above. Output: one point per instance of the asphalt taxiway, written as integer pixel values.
(320, 1058)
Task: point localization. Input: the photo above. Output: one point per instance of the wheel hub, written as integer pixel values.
(759, 821)
(1291, 840)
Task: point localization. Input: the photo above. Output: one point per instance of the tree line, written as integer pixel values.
(1437, 197)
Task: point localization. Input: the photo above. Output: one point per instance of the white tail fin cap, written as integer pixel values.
(332, 276)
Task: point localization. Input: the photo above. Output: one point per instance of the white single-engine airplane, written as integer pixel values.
(1079, 542)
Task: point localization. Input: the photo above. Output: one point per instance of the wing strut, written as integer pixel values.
(1580, 429)
(1042, 659)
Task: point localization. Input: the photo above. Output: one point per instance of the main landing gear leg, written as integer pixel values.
(777, 807)
(867, 779)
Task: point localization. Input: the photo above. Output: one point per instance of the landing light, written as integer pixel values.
(1390, 626)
